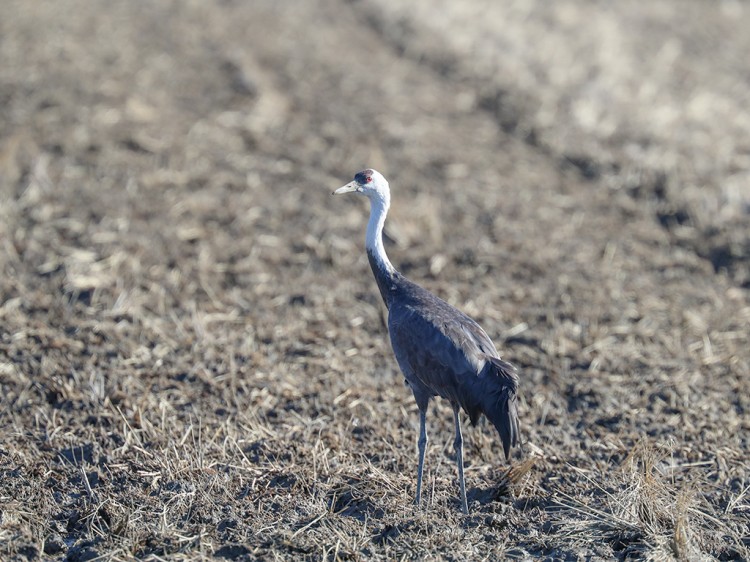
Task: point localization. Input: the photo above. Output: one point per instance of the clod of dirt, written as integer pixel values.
(78, 454)
(82, 554)
(54, 544)
(387, 534)
(233, 552)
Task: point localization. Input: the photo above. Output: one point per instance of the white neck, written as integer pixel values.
(374, 241)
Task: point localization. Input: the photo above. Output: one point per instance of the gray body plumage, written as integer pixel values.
(441, 351)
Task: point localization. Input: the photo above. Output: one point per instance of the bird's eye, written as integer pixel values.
(368, 179)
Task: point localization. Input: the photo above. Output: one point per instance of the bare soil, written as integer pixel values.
(193, 357)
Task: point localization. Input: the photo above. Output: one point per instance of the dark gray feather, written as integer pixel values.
(443, 352)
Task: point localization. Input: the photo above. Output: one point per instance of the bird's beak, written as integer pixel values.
(350, 187)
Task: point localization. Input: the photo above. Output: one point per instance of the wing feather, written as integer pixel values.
(443, 352)
(441, 347)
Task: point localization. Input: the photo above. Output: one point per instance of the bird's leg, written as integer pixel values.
(458, 445)
(421, 444)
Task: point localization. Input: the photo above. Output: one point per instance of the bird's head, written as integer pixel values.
(369, 183)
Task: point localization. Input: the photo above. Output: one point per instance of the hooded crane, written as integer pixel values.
(441, 351)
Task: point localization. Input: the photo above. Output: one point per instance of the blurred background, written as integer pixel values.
(575, 175)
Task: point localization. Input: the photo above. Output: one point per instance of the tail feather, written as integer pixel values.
(500, 402)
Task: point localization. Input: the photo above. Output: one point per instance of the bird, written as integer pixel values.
(441, 351)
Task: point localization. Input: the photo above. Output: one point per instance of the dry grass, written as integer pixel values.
(193, 359)
(646, 512)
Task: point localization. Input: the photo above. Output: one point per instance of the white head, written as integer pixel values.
(371, 184)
